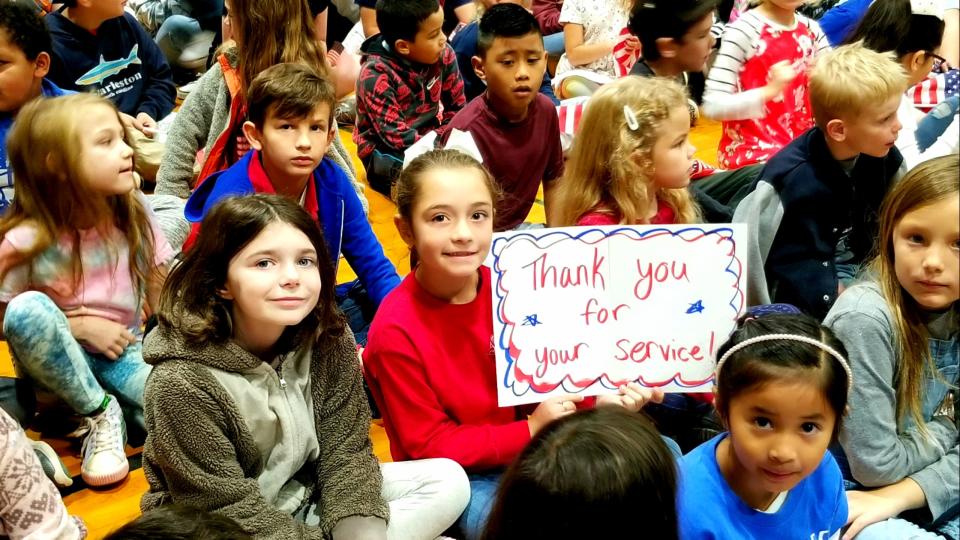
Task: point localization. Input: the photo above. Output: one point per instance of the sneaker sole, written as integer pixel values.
(51, 464)
(97, 480)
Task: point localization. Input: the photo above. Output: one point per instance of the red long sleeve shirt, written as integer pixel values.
(431, 368)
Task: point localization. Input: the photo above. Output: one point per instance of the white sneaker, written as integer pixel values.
(104, 461)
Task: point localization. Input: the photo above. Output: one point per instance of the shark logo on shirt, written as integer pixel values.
(107, 68)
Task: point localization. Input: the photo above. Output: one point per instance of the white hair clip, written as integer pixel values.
(927, 7)
(788, 337)
(631, 118)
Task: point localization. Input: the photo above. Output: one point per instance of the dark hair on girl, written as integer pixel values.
(891, 26)
(178, 522)
(407, 187)
(598, 473)
(191, 301)
(762, 362)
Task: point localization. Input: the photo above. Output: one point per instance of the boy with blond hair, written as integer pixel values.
(813, 209)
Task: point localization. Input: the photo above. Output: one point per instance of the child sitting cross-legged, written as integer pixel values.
(81, 263)
(408, 74)
(429, 362)
(255, 408)
(290, 127)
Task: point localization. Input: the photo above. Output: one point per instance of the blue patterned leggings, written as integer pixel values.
(44, 350)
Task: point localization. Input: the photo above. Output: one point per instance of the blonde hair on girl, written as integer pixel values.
(611, 162)
(928, 183)
(273, 32)
(46, 152)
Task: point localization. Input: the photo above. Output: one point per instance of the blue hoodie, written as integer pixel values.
(345, 227)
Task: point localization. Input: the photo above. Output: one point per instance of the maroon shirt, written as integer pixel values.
(518, 155)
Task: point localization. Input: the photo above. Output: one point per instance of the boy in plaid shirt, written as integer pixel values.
(408, 86)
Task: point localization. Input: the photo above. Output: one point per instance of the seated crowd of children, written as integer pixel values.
(178, 286)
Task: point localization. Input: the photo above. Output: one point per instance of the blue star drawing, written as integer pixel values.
(531, 320)
(696, 307)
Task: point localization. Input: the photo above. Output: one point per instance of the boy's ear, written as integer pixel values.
(667, 47)
(836, 129)
(253, 135)
(477, 64)
(41, 65)
(402, 46)
(403, 227)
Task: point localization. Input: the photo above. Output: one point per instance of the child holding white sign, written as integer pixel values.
(429, 359)
(781, 389)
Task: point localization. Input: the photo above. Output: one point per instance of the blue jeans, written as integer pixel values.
(936, 122)
(175, 34)
(483, 491)
(947, 527)
(356, 305)
(44, 349)
(554, 44)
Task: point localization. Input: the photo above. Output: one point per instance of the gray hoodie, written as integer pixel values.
(229, 433)
(878, 451)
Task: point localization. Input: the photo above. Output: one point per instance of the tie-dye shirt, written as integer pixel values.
(105, 289)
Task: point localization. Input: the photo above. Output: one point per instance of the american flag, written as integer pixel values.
(934, 89)
(624, 58)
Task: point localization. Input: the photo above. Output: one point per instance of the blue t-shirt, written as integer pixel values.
(816, 508)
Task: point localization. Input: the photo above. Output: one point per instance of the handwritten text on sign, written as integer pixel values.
(585, 310)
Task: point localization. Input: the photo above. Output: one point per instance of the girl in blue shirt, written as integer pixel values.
(781, 389)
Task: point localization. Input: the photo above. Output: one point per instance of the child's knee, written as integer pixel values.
(26, 312)
(452, 482)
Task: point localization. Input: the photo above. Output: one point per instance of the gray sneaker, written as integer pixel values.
(51, 464)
